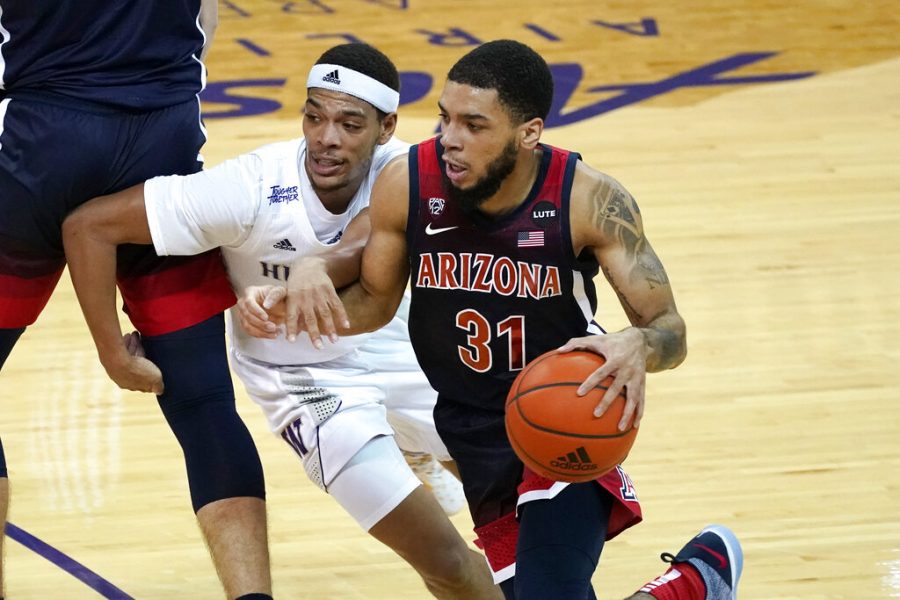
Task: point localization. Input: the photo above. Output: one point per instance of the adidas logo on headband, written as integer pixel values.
(354, 83)
(332, 77)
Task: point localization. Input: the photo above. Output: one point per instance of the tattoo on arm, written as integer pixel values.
(653, 269)
(668, 345)
(633, 315)
(617, 216)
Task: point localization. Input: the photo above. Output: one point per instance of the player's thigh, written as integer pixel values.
(323, 412)
(50, 161)
(374, 482)
(409, 400)
(489, 469)
(165, 294)
(406, 392)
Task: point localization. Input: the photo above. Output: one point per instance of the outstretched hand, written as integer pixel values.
(309, 303)
(312, 304)
(131, 370)
(625, 353)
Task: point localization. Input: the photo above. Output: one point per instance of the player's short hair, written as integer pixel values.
(519, 74)
(364, 59)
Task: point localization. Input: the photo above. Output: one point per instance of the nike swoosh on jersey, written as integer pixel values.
(433, 231)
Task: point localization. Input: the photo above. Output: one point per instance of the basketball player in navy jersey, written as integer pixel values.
(502, 237)
(97, 96)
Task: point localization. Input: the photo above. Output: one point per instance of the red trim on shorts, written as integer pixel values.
(498, 540)
(22, 300)
(178, 296)
(626, 510)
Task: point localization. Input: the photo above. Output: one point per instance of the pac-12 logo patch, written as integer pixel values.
(436, 205)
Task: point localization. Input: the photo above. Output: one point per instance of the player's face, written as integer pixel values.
(341, 134)
(480, 143)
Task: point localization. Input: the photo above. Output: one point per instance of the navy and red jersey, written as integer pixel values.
(490, 295)
(125, 53)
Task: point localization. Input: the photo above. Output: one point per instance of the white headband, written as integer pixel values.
(348, 81)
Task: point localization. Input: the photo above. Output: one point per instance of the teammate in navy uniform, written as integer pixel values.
(97, 96)
(502, 236)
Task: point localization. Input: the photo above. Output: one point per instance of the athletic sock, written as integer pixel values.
(681, 582)
(715, 585)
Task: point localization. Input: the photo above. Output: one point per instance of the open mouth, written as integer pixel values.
(324, 166)
(455, 171)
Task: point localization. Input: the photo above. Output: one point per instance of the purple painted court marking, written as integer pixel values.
(237, 9)
(258, 50)
(66, 563)
(542, 32)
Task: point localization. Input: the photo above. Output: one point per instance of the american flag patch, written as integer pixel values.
(528, 239)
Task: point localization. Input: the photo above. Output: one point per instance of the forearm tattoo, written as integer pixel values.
(633, 315)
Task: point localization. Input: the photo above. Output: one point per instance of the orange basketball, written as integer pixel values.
(553, 430)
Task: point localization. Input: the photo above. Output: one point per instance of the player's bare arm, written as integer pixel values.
(313, 281)
(90, 235)
(209, 22)
(606, 220)
(373, 299)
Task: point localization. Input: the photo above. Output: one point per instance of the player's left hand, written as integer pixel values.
(260, 310)
(626, 361)
(312, 304)
(131, 370)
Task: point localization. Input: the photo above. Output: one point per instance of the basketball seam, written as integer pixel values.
(550, 385)
(536, 361)
(584, 436)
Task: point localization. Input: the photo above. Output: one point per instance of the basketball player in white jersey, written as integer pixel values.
(264, 209)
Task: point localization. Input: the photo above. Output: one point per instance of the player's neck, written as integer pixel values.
(516, 187)
(335, 201)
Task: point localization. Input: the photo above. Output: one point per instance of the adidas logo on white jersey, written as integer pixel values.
(284, 244)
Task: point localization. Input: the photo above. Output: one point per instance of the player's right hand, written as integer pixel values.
(131, 370)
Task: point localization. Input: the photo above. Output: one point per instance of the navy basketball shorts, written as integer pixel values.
(57, 153)
(496, 482)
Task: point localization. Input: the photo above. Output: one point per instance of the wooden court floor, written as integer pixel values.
(762, 141)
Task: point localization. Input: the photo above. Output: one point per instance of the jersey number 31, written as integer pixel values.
(476, 354)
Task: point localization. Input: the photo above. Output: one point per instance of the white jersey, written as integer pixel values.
(261, 210)
(332, 406)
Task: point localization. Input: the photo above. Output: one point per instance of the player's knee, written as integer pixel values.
(450, 569)
(194, 364)
(221, 459)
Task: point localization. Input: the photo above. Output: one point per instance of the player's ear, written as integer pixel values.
(388, 125)
(530, 133)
